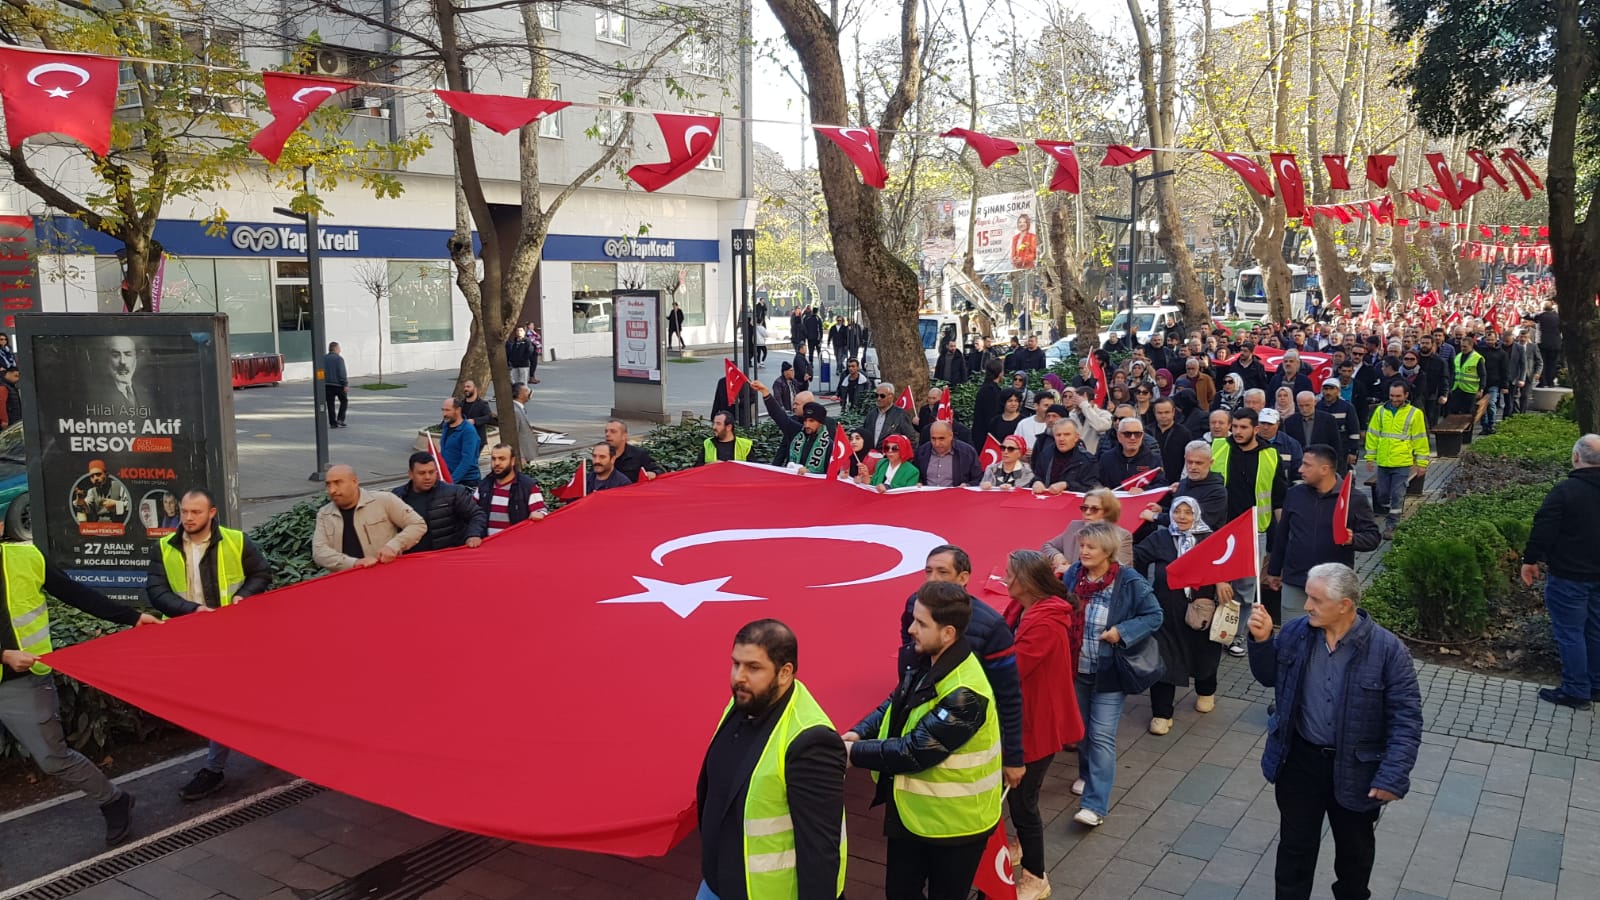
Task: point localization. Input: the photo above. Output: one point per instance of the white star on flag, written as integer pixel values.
(682, 599)
(58, 92)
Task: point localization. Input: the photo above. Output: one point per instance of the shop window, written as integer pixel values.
(684, 285)
(244, 292)
(592, 284)
(291, 294)
(420, 308)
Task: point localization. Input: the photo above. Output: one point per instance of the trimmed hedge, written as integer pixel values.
(1531, 448)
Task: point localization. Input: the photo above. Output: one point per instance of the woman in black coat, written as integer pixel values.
(1189, 653)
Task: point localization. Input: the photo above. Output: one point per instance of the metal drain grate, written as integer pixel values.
(111, 867)
(416, 872)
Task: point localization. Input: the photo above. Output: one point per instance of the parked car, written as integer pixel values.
(14, 508)
(1151, 322)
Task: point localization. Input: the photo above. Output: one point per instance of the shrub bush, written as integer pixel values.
(1527, 449)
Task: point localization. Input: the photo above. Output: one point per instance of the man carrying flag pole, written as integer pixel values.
(1322, 522)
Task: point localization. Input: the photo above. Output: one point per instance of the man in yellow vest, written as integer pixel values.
(724, 445)
(1256, 479)
(1466, 384)
(1397, 445)
(202, 568)
(934, 749)
(771, 790)
(29, 708)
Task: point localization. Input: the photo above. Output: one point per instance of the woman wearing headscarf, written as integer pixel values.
(1283, 402)
(1185, 634)
(1099, 506)
(1231, 397)
(1119, 610)
(1046, 621)
(897, 470)
(1163, 383)
(858, 451)
(1010, 472)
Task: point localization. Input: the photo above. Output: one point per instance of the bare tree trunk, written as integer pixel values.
(886, 286)
(1160, 110)
(1574, 246)
(1069, 295)
(1330, 268)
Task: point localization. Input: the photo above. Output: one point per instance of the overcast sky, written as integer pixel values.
(777, 97)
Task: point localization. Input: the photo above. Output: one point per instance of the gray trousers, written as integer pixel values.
(1294, 603)
(31, 711)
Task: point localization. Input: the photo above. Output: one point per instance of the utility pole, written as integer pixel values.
(1132, 221)
(319, 335)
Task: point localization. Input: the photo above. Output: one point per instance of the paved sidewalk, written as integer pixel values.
(1191, 817)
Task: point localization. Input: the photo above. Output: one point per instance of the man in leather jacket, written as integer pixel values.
(450, 510)
(956, 726)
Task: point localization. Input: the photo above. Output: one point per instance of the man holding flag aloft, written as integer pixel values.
(1256, 481)
(1322, 522)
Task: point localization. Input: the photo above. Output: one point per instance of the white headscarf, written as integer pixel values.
(1185, 540)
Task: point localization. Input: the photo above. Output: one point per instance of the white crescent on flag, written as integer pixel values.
(912, 545)
(36, 71)
(688, 136)
(1227, 551)
(300, 95)
(865, 139)
(1287, 169)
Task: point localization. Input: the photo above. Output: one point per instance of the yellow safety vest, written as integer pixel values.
(230, 565)
(769, 857)
(741, 449)
(1467, 371)
(25, 601)
(960, 796)
(1266, 474)
(1395, 440)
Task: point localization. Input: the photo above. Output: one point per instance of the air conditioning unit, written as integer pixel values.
(366, 103)
(332, 62)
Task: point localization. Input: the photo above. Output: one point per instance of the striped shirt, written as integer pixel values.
(499, 504)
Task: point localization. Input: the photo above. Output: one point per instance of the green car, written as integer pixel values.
(14, 485)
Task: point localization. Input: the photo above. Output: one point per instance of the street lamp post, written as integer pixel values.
(1132, 221)
(319, 337)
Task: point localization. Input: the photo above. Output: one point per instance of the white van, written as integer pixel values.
(936, 329)
(1151, 322)
(1250, 293)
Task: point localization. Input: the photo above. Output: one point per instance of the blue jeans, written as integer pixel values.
(1491, 416)
(1097, 754)
(1575, 624)
(705, 893)
(217, 757)
(1392, 484)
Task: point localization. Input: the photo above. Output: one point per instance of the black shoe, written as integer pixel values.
(204, 783)
(1554, 695)
(119, 818)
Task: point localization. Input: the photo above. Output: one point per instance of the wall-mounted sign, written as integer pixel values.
(265, 238)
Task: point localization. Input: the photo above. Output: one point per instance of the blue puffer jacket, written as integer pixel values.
(1380, 726)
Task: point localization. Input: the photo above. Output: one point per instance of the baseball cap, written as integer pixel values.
(1269, 417)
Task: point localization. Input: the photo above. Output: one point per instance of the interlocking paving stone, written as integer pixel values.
(1536, 855)
(1484, 861)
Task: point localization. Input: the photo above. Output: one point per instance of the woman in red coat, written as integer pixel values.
(1047, 620)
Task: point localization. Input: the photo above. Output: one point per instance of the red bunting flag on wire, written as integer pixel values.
(1378, 165)
(1338, 175)
(1065, 177)
(1121, 155)
(72, 94)
(1290, 184)
(292, 99)
(861, 145)
(690, 139)
(1255, 177)
(990, 149)
(1487, 170)
(498, 112)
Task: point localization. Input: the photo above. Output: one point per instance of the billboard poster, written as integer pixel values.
(1003, 235)
(122, 415)
(636, 336)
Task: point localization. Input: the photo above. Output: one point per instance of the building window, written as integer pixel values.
(549, 17)
(420, 308)
(550, 126)
(611, 27)
(608, 123)
(592, 284)
(700, 56)
(684, 285)
(713, 160)
(239, 288)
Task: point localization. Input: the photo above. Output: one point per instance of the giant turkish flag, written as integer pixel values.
(559, 684)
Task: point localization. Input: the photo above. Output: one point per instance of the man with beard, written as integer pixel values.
(770, 796)
(509, 497)
(459, 445)
(104, 499)
(937, 734)
(1433, 382)
(807, 450)
(201, 568)
(476, 410)
(450, 510)
(1496, 377)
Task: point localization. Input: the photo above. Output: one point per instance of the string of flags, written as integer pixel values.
(75, 94)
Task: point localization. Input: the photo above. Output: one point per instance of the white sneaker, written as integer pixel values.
(1204, 704)
(1160, 726)
(1032, 887)
(1089, 817)
(1077, 787)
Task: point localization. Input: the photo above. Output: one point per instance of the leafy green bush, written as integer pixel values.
(1567, 409)
(1532, 448)
(285, 539)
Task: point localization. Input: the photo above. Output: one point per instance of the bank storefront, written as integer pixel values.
(589, 267)
(256, 273)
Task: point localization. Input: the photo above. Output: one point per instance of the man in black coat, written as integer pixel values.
(1064, 464)
(812, 324)
(802, 366)
(883, 418)
(1130, 456)
(1303, 537)
(1171, 437)
(633, 462)
(1248, 368)
(765, 692)
(1433, 380)
(987, 403)
(1549, 322)
(1565, 534)
(452, 514)
(1310, 426)
(476, 410)
(1029, 359)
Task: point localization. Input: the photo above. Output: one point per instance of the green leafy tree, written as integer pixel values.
(186, 113)
(1495, 69)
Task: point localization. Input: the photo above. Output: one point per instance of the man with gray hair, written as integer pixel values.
(1565, 535)
(1346, 731)
(1131, 456)
(1289, 375)
(1256, 399)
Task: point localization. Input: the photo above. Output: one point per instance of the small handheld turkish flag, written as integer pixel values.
(292, 99)
(438, 460)
(577, 487)
(1065, 177)
(905, 401)
(1341, 513)
(944, 412)
(498, 112)
(991, 452)
(1099, 373)
(736, 380)
(1119, 155)
(839, 460)
(1227, 555)
(995, 878)
(990, 150)
(59, 93)
(861, 145)
(690, 140)
(870, 462)
(1141, 480)
(1248, 170)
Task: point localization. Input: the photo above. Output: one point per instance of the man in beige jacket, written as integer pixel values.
(361, 528)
